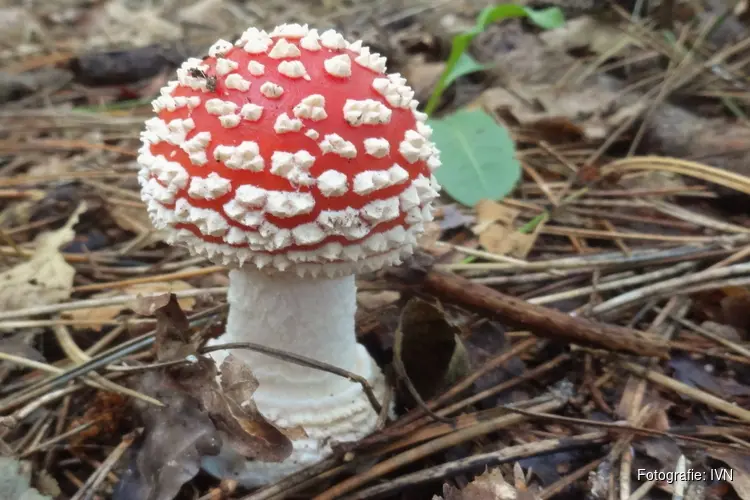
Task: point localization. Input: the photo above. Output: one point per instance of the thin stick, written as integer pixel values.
(179, 275)
(509, 454)
(710, 335)
(667, 286)
(691, 392)
(54, 440)
(78, 357)
(430, 447)
(559, 485)
(302, 361)
(611, 285)
(103, 302)
(92, 483)
(542, 321)
(100, 361)
(411, 421)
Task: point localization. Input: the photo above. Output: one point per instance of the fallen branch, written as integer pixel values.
(542, 321)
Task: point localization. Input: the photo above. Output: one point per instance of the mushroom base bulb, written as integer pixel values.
(313, 317)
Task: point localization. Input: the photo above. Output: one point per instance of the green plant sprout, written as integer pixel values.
(460, 63)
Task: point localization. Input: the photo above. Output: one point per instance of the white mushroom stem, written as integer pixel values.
(313, 317)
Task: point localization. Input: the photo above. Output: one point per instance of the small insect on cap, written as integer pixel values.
(292, 151)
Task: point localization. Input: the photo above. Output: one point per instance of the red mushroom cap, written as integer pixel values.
(292, 150)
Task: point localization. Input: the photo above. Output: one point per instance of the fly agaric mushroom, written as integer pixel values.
(295, 159)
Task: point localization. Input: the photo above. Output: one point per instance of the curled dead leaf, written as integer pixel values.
(147, 306)
(202, 413)
(430, 349)
(173, 336)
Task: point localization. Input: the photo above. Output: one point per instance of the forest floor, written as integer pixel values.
(591, 324)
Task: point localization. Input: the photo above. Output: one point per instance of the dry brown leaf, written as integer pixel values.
(489, 211)
(176, 437)
(496, 232)
(590, 110)
(739, 466)
(231, 407)
(173, 338)
(44, 279)
(489, 486)
(198, 408)
(108, 313)
(594, 34)
(502, 240)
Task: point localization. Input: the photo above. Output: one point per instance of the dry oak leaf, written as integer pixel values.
(44, 279)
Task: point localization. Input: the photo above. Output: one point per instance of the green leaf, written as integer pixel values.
(465, 65)
(546, 18)
(478, 157)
